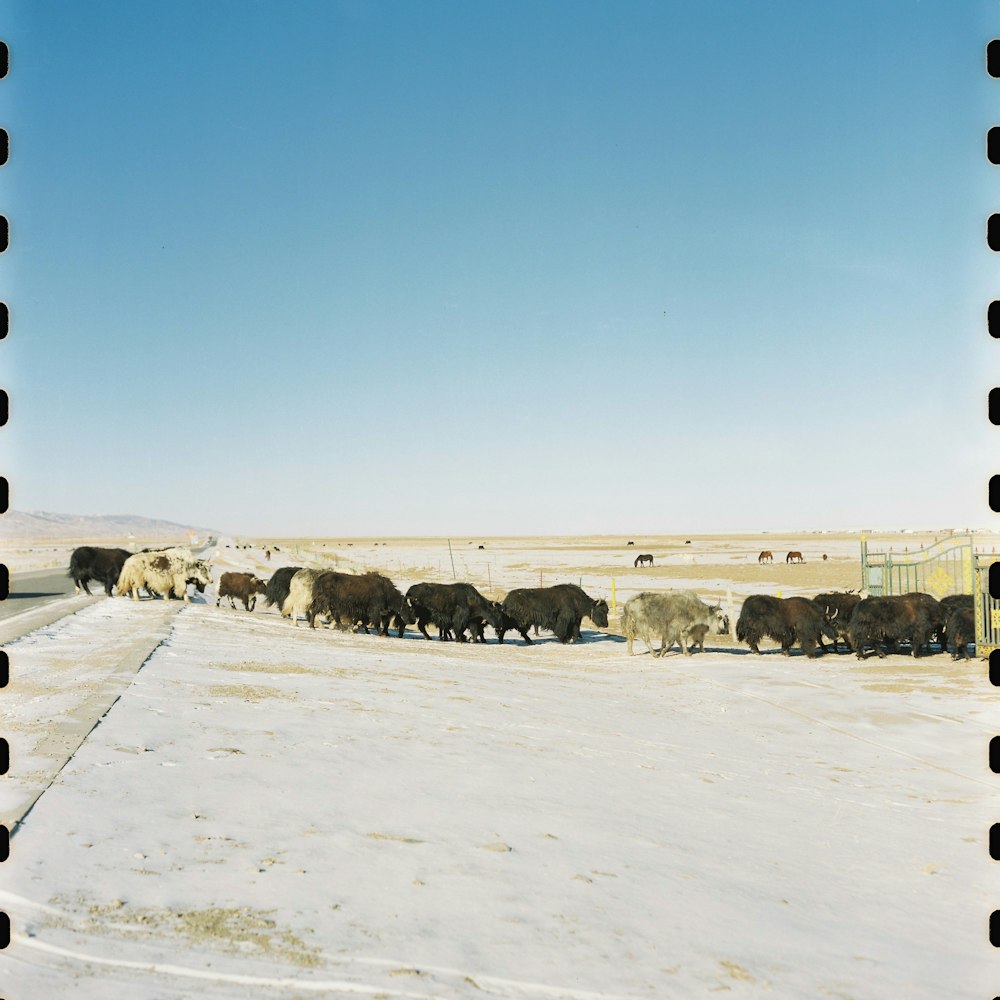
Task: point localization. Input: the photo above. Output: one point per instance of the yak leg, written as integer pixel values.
(670, 635)
(564, 628)
(922, 639)
(699, 632)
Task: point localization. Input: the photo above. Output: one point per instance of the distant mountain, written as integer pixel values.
(42, 524)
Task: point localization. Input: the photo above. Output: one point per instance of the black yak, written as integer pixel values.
(838, 606)
(278, 586)
(885, 621)
(368, 600)
(560, 608)
(452, 608)
(949, 604)
(91, 563)
(786, 620)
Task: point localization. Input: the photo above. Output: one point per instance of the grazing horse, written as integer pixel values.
(795, 557)
(643, 559)
(765, 557)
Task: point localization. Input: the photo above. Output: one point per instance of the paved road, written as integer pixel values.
(37, 587)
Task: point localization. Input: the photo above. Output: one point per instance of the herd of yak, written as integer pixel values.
(371, 601)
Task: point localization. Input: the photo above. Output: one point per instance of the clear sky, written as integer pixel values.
(458, 268)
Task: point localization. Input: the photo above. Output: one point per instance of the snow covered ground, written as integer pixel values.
(269, 811)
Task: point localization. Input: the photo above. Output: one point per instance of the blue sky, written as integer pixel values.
(471, 268)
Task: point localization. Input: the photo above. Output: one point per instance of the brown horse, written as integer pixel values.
(765, 557)
(794, 557)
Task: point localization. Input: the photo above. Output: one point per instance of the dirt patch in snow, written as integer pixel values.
(238, 929)
(246, 692)
(256, 667)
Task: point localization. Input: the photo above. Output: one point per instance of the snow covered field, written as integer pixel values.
(268, 812)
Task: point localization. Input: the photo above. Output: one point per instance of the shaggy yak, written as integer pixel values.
(91, 563)
(786, 620)
(960, 628)
(368, 600)
(167, 573)
(949, 605)
(243, 586)
(838, 607)
(677, 616)
(886, 621)
(278, 586)
(560, 608)
(300, 595)
(452, 608)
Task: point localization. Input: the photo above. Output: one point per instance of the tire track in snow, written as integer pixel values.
(439, 978)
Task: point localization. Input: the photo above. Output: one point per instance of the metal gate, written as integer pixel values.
(940, 569)
(987, 608)
(951, 566)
